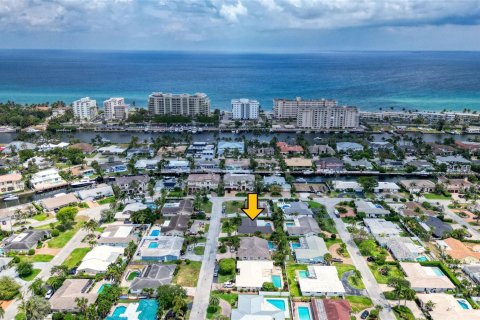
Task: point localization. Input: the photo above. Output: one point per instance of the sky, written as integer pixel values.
(241, 25)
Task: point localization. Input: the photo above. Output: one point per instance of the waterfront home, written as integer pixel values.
(418, 185)
(112, 150)
(459, 250)
(201, 150)
(295, 209)
(420, 165)
(197, 182)
(472, 271)
(381, 228)
(253, 248)
(146, 164)
(380, 145)
(159, 248)
(11, 183)
(370, 209)
(348, 147)
(261, 151)
(310, 249)
(47, 179)
(389, 187)
(320, 150)
(152, 276)
(447, 307)
(168, 183)
(182, 207)
(113, 167)
(413, 209)
(134, 152)
(253, 274)
(346, 186)
(58, 201)
(51, 146)
(442, 149)
(175, 150)
(296, 164)
(329, 164)
(84, 147)
(302, 226)
(41, 163)
(128, 210)
(362, 164)
(239, 182)
(24, 241)
(437, 227)
(237, 165)
(65, 298)
(390, 164)
(226, 148)
(403, 248)
(320, 281)
(267, 164)
(287, 149)
(176, 226)
(133, 185)
(426, 279)
(100, 191)
(16, 146)
(455, 185)
(471, 147)
(331, 309)
(207, 165)
(119, 235)
(256, 307)
(99, 258)
(456, 164)
(249, 226)
(178, 166)
(280, 181)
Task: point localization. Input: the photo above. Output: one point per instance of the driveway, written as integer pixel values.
(351, 291)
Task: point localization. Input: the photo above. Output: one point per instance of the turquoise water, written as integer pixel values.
(100, 290)
(153, 245)
(296, 245)
(304, 313)
(280, 304)
(146, 307)
(277, 281)
(271, 246)
(437, 271)
(422, 259)
(463, 304)
(155, 233)
(290, 224)
(303, 273)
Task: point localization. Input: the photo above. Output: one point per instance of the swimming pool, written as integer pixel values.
(284, 206)
(155, 233)
(304, 313)
(271, 246)
(303, 273)
(100, 290)
(378, 206)
(117, 313)
(464, 304)
(437, 271)
(277, 281)
(153, 245)
(268, 224)
(279, 303)
(290, 224)
(422, 259)
(133, 275)
(296, 245)
(146, 307)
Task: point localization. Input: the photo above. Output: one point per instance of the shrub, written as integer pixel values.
(212, 309)
(55, 232)
(31, 252)
(226, 266)
(24, 269)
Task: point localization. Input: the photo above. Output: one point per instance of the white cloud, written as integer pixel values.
(232, 12)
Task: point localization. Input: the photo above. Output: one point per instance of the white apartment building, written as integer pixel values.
(115, 109)
(179, 104)
(46, 179)
(327, 117)
(11, 183)
(245, 109)
(288, 108)
(85, 108)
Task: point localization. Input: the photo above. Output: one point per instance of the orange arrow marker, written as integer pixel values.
(252, 210)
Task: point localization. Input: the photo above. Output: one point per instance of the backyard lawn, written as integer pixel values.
(229, 297)
(187, 275)
(393, 271)
(199, 250)
(291, 276)
(31, 276)
(41, 217)
(359, 303)
(37, 258)
(434, 196)
(233, 206)
(106, 200)
(75, 257)
(206, 206)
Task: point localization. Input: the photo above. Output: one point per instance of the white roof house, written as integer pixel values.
(252, 274)
(426, 279)
(386, 187)
(347, 185)
(447, 307)
(112, 150)
(370, 209)
(320, 281)
(253, 307)
(98, 260)
(102, 190)
(382, 228)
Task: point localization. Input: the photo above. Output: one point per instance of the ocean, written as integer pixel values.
(430, 81)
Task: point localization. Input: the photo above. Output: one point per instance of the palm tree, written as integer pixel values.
(37, 308)
(2, 313)
(328, 258)
(90, 226)
(430, 305)
(82, 304)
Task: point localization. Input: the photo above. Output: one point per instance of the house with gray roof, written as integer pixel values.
(229, 146)
(295, 209)
(302, 226)
(256, 307)
(25, 240)
(249, 226)
(177, 207)
(152, 276)
(176, 226)
(64, 299)
(473, 271)
(311, 249)
(253, 248)
(133, 184)
(360, 164)
(159, 248)
(455, 163)
(349, 147)
(438, 228)
(321, 149)
(101, 191)
(121, 235)
(371, 209)
(403, 248)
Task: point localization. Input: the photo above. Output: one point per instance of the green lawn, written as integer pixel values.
(314, 204)
(75, 257)
(199, 250)
(37, 258)
(224, 278)
(31, 276)
(41, 217)
(206, 207)
(383, 279)
(356, 282)
(342, 268)
(176, 194)
(434, 196)
(207, 227)
(233, 206)
(403, 312)
(229, 297)
(187, 275)
(291, 276)
(106, 200)
(359, 303)
(330, 242)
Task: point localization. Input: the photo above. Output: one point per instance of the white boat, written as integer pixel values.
(300, 180)
(200, 129)
(82, 183)
(7, 129)
(194, 130)
(307, 171)
(32, 130)
(10, 197)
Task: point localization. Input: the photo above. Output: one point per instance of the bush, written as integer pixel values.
(21, 316)
(16, 259)
(212, 309)
(55, 233)
(268, 286)
(223, 249)
(24, 269)
(31, 252)
(226, 266)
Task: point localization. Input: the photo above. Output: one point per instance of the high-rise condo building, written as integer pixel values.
(327, 117)
(85, 108)
(179, 104)
(115, 109)
(245, 109)
(287, 108)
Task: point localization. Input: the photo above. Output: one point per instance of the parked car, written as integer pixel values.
(228, 285)
(49, 294)
(364, 314)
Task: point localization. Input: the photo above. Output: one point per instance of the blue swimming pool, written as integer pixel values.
(277, 281)
(422, 259)
(153, 245)
(464, 304)
(290, 224)
(271, 246)
(303, 273)
(146, 307)
(296, 245)
(285, 206)
(100, 290)
(279, 303)
(268, 224)
(155, 233)
(378, 206)
(304, 313)
(437, 271)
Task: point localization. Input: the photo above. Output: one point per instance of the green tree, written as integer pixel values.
(268, 286)
(37, 287)
(368, 183)
(37, 308)
(167, 294)
(67, 215)
(9, 288)
(24, 269)
(226, 266)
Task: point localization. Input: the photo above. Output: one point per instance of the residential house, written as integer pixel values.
(457, 164)
(207, 165)
(473, 271)
(381, 228)
(256, 307)
(100, 191)
(146, 164)
(296, 164)
(178, 166)
(133, 184)
(320, 150)
(58, 201)
(239, 182)
(287, 149)
(99, 258)
(197, 182)
(41, 163)
(362, 164)
(310, 249)
(295, 209)
(252, 274)
(329, 164)
(175, 150)
(370, 209)
(347, 186)
(237, 165)
(227, 147)
(112, 150)
(438, 228)
(24, 241)
(176, 226)
(418, 185)
(390, 187)
(249, 226)
(420, 165)
(302, 226)
(455, 185)
(460, 251)
(47, 179)
(269, 181)
(201, 150)
(113, 167)
(471, 147)
(380, 145)
(403, 248)
(320, 281)
(18, 146)
(267, 164)
(11, 183)
(261, 151)
(120, 235)
(348, 147)
(65, 298)
(152, 276)
(173, 208)
(390, 164)
(331, 309)
(442, 149)
(447, 307)
(426, 279)
(134, 152)
(413, 209)
(253, 248)
(84, 147)
(159, 248)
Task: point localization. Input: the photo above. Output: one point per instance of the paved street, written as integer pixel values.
(371, 285)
